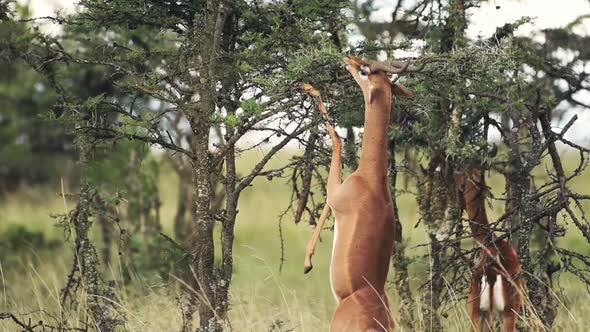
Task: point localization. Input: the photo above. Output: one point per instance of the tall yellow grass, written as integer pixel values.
(262, 297)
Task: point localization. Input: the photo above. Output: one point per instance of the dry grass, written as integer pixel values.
(263, 297)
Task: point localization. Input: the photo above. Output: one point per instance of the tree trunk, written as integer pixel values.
(434, 194)
(227, 232)
(106, 228)
(307, 174)
(85, 271)
(427, 196)
(107, 233)
(399, 259)
(86, 253)
(183, 203)
(201, 238)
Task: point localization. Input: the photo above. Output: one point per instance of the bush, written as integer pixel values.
(155, 258)
(18, 241)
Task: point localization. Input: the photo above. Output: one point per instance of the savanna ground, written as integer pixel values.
(263, 298)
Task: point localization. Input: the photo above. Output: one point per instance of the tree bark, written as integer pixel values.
(399, 259)
(434, 194)
(182, 206)
(431, 296)
(202, 235)
(227, 232)
(201, 238)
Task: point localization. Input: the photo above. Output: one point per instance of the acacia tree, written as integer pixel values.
(464, 87)
(233, 65)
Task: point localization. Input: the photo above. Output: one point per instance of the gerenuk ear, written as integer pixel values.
(400, 90)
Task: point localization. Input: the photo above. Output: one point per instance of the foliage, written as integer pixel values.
(31, 150)
(18, 241)
(156, 259)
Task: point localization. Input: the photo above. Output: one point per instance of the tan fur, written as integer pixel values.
(363, 211)
(497, 258)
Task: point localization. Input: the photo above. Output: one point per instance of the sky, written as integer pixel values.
(484, 20)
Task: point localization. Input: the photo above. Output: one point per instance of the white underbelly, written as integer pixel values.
(331, 259)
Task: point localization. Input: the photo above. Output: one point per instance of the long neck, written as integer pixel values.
(374, 148)
(475, 206)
